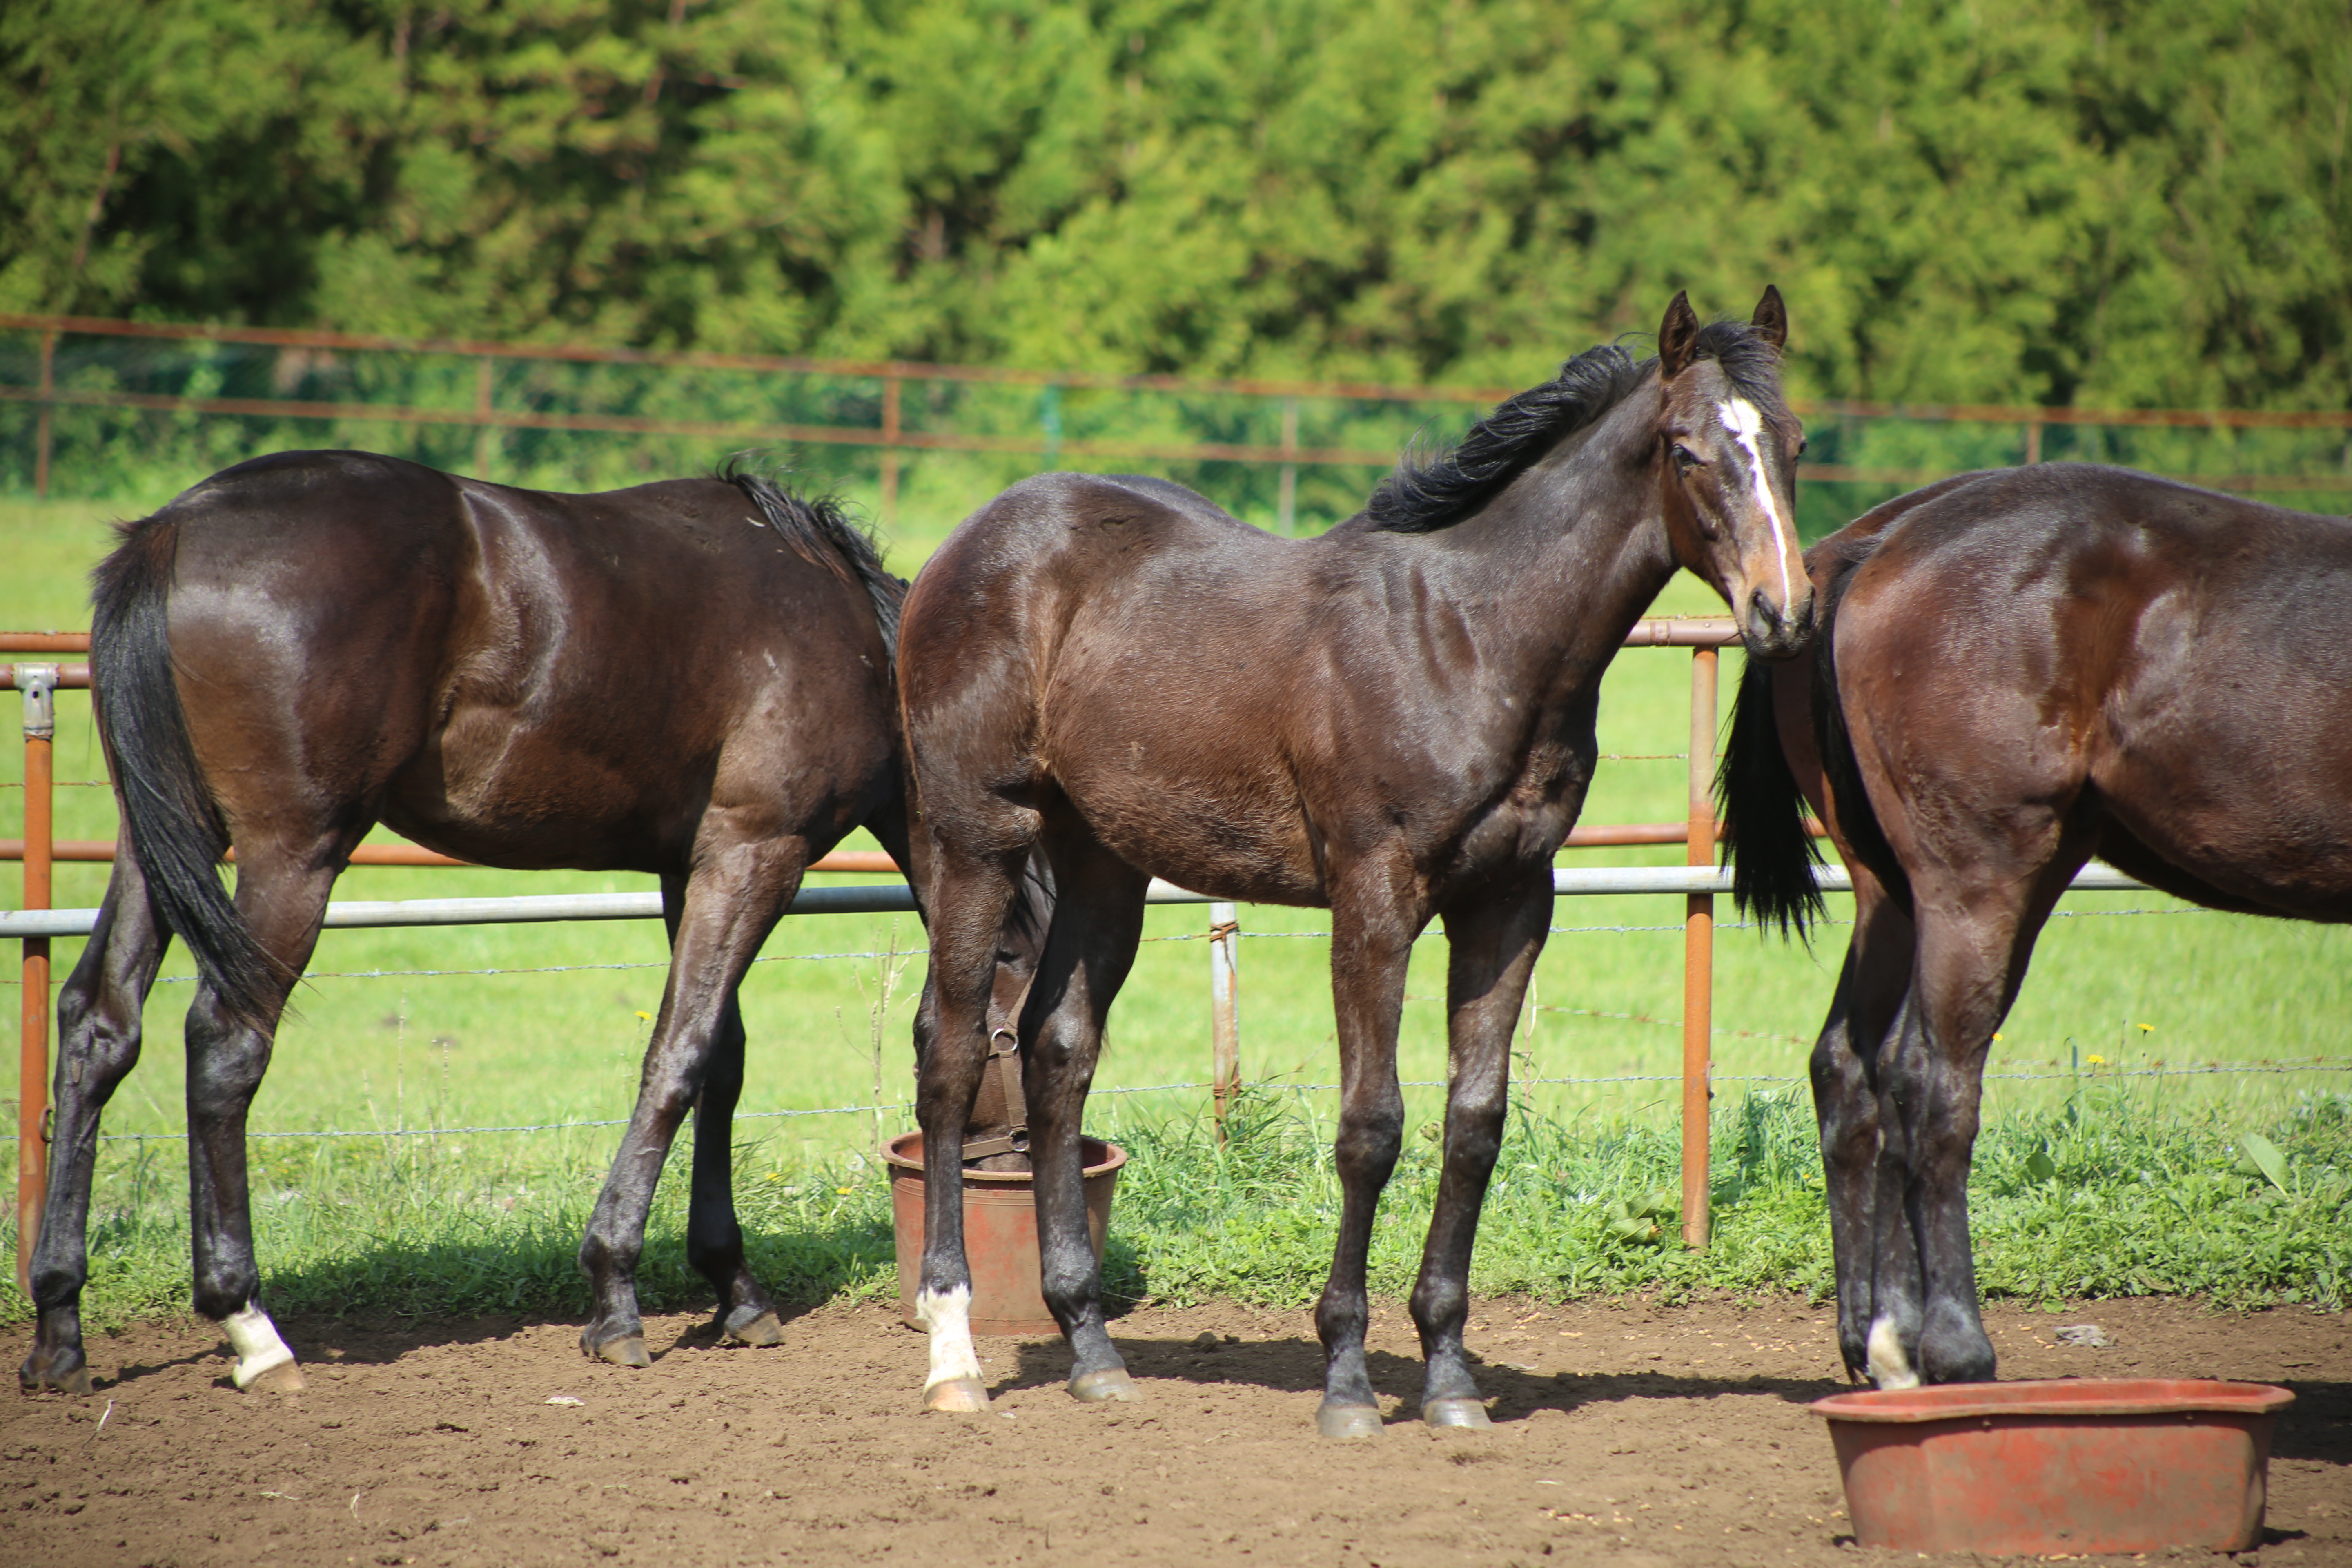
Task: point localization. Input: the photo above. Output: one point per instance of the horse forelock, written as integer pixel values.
(1749, 362)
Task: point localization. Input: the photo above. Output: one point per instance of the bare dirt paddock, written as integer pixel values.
(1625, 1433)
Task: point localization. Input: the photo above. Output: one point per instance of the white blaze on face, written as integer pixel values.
(948, 1314)
(255, 1340)
(1889, 1367)
(1739, 416)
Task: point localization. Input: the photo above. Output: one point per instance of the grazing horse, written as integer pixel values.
(2016, 671)
(690, 678)
(1393, 720)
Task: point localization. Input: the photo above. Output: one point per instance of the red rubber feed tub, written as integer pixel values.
(2075, 1467)
(1000, 1235)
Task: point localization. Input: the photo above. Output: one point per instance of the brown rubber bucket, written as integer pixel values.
(2077, 1467)
(1000, 1235)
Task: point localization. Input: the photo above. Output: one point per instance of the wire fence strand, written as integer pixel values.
(2317, 1065)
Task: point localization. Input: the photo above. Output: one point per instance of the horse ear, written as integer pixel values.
(1677, 334)
(1771, 319)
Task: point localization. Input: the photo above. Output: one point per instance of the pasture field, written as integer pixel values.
(2093, 1177)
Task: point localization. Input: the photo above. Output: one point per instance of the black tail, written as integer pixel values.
(826, 537)
(1765, 839)
(168, 809)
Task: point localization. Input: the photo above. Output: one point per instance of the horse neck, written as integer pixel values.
(1550, 577)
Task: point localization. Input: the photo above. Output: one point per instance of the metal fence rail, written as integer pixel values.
(469, 397)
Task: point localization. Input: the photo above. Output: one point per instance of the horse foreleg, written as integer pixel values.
(98, 1044)
(1369, 950)
(970, 897)
(714, 1236)
(1089, 947)
(726, 910)
(1870, 988)
(1492, 945)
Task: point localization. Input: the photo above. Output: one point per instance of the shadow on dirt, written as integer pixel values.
(1295, 1365)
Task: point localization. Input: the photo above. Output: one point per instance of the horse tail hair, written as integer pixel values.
(1765, 840)
(1858, 819)
(168, 808)
(823, 534)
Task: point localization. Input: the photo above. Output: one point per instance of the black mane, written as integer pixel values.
(1423, 495)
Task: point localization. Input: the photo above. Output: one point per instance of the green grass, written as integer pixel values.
(486, 1218)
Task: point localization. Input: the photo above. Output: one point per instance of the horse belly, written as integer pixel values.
(491, 791)
(1207, 841)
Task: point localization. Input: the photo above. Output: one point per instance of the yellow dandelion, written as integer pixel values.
(2144, 1028)
(648, 1017)
(2095, 1059)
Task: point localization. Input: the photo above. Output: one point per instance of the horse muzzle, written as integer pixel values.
(1777, 631)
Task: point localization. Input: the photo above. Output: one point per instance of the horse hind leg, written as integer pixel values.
(283, 899)
(714, 1236)
(1969, 966)
(726, 910)
(98, 1044)
(1870, 988)
(1089, 948)
(971, 898)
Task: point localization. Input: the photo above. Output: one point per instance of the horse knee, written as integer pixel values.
(1369, 1144)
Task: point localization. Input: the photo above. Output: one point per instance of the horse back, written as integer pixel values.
(2150, 663)
(521, 677)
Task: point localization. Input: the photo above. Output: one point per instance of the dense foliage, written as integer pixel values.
(1976, 199)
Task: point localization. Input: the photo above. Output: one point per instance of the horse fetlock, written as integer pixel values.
(1953, 1349)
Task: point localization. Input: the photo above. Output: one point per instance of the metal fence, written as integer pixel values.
(113, 410)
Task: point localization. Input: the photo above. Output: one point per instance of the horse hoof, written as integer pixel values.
(1469, 1415)
(45, 1381)
(621, 1350)
(1349, 1420)
(285, 1377)
(761, 1328)
(956, 1396)
(1110, 1384)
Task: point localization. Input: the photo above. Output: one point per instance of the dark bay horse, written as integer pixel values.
(1393, 720)
(2016, 671)
(690, 678)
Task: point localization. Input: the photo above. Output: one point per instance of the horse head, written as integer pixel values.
(1727, 460)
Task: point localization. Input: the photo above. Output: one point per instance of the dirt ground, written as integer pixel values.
(1627, 1434)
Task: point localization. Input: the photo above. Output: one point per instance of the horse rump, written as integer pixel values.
(174, 823)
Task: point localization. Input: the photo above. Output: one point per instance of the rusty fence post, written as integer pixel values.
(42, 425)
(1698, 954)
(889, 507)
(2034, 441)
(484, 432)
(1286, 504)
(38, 682)
(1225, 1008)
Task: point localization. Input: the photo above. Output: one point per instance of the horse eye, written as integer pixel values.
(1685, 460)
(1801, 445)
